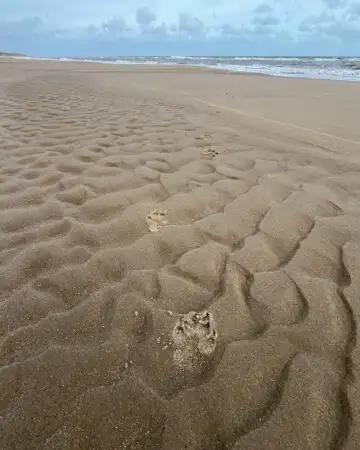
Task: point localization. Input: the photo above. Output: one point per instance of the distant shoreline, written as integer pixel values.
(330, 68)
(11, 54)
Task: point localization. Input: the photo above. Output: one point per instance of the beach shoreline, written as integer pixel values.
(179, 259)
(321, 68)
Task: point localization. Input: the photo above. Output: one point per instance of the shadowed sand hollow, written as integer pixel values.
(179, 269)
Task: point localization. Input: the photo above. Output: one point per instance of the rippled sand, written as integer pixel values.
(180, 259)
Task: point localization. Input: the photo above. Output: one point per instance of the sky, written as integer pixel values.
(71, 28)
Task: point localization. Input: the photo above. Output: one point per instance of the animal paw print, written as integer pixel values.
(194, 336)
(156, 220)
(207, 136)
(210, 153)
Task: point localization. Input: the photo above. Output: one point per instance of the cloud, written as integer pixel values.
(353, 11)
(145, 17)
(263, 9)
(266, 20)
(190, 25)
(149, 28)
(317, 24)
(333, 4)
(22, 27)
(263, 19)
(186, 27)
(333, 29)
(342, 32)
(115, 27)
(229, 31)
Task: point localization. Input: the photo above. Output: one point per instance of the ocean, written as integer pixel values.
(332, 68)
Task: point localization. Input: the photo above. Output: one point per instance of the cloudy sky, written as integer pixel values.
(186, 27)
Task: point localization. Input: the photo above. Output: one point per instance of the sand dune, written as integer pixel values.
(179, 267)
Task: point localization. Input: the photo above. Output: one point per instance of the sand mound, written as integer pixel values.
(156, 293)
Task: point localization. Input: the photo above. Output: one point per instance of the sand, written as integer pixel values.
(180, 259)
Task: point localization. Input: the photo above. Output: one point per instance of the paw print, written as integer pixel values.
(194, 335)
(156, 220)
(210, 153)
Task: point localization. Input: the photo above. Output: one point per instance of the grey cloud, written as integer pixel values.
(265, 20)
(33, 27)
(22, 27)
(261, 31)
(317, 25)
(263, 9)
(116, 26)
(333, 4)
(160, 30)
(255, 33)
(229, 31)
(353, 12)
(173, 28)
(145, 17)
(190, 25)
(328, 27)
(305, 27)
(108, 31)
(157, 31)
(344, 32)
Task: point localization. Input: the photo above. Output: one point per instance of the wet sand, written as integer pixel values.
(179, 259)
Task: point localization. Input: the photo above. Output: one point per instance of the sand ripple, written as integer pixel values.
(117, 235)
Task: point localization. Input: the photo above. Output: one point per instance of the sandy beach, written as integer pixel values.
(179, 259)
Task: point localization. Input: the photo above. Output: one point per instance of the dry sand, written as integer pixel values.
(180, 259)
